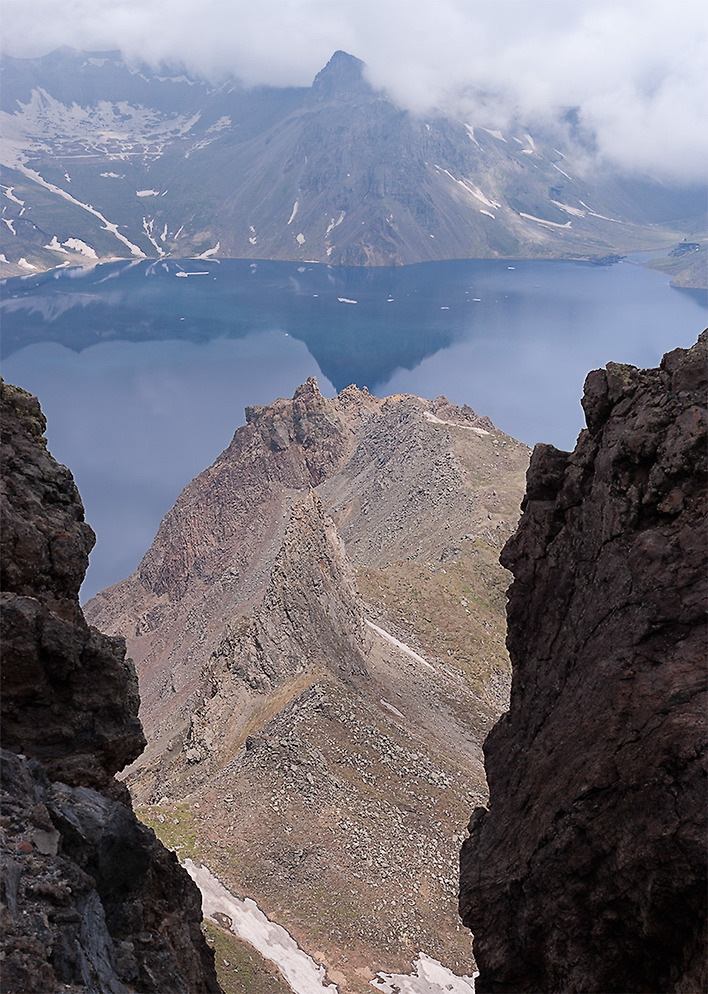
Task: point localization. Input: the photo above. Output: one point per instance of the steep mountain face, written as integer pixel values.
(91, 900)
(588, 870)
(107, 160)
(318, 631)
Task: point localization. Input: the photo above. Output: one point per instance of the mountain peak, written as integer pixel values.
(341, 78)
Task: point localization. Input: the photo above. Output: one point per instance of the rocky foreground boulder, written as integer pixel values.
(91, 901)
(587, 872)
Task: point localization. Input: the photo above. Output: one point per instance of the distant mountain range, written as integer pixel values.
(103, 159)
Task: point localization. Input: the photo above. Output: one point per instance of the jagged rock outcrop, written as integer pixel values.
(402, 477)
(311, 615)
(311, 622)
(91, 901)
(314, 739)
(588, 870)
(68, 696)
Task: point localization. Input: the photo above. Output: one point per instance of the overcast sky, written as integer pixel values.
(636, 68)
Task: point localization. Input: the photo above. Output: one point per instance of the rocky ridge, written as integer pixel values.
(587, 872)
(318, 630)
(311, 620)
(400, 482)
(91, 900)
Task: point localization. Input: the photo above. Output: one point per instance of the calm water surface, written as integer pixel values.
(144, 371)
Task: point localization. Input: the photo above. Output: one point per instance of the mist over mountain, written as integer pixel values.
(108, 159)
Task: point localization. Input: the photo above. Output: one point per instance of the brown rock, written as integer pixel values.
(311, 621)
(588, 871)
(93, 878)
(69, 697)
(398, 485)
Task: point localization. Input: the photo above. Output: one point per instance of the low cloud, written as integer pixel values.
(636, 69)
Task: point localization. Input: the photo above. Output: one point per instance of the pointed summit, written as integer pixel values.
(341, 79)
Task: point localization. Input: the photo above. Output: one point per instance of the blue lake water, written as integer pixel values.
(144, 371)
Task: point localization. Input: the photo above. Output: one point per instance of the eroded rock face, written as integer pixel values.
(310, 623)
(403, 478)
(68, 696)
(91, 900)
(311, 615)
(588, 870)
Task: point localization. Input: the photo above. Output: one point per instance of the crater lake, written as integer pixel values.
(143, 369)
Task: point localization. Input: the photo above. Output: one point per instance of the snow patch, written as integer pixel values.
(575, 211)
(399, 645)
(346, 300)
(295, 207)
(148, 226)
(495, 134)
(469, 187)
(493, 217)
(246, 920)
(391, 708)
(23, 264)
(147, 193)
(300, 239)
(209, 252)
(602, 217)
(81, 247)
(470, 134)
(113, 175)
(10, 225)
(335, 224)
(223, 122)
(430, 977)
(11, 196)
(563, 173)
(542, 220)
(434, 420)
(108, 226)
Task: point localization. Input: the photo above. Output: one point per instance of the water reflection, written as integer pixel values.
(144, 375)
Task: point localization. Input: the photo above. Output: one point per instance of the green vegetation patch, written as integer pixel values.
(175, 826)
(239, 968)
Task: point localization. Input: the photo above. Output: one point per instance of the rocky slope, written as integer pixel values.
(318, 631)
(91, 900)
(588, 870)
(103, 159)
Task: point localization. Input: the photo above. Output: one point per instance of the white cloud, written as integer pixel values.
(635, 68)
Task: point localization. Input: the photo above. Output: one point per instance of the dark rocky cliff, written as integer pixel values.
(91, 901)
(588, 870)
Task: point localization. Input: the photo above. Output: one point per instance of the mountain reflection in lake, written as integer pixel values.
(144, 376)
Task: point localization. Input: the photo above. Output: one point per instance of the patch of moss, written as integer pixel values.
(239, 968)
(24, 406)
(175, 826)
